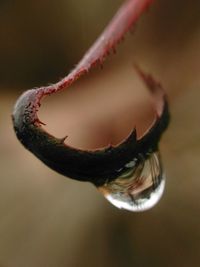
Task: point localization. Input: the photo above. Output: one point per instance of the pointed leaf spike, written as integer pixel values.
(62, 140)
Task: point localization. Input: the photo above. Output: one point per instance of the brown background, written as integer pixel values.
(48, 220)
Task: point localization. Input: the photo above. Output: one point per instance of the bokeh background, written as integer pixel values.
(48, 220)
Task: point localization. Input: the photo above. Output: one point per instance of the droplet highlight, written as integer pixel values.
(140, 187)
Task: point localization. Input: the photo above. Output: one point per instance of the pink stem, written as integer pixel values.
(126, 16)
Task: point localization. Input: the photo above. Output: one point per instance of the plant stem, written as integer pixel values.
(125, 18)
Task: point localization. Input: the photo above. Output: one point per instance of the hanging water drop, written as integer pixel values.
(140, 187)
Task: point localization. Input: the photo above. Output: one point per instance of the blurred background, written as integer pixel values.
(48, 220)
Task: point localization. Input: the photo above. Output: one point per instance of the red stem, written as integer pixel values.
(126, 16)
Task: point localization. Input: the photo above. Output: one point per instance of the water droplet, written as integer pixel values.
(140, 187)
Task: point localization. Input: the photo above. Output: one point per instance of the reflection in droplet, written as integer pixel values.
(140, 187)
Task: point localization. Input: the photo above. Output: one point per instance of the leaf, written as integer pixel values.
(93, 166)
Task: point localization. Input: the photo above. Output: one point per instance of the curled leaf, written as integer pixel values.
(94, 166)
